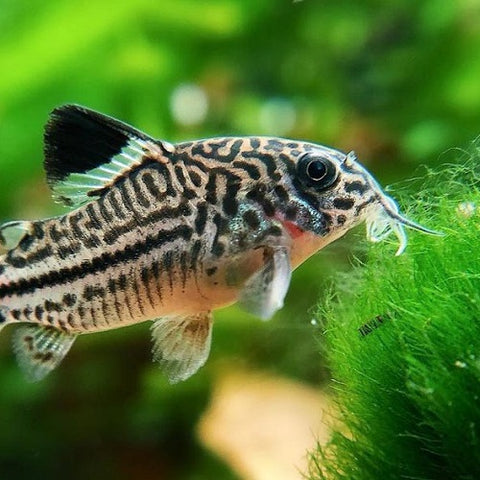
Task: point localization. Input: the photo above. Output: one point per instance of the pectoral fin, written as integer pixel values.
(182, 344)
(264, 291)
(40, 349)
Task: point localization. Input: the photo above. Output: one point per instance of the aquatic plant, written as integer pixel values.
(403, 339)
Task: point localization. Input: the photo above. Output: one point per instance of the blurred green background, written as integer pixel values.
(397, 81)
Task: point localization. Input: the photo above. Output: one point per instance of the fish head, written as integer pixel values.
(336, 193)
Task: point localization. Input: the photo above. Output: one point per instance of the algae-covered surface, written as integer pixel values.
(403, 339)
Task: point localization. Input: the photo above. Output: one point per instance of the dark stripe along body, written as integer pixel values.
(157, 241)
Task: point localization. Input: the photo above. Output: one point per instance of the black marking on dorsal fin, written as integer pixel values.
(86, 151)
(78, 139)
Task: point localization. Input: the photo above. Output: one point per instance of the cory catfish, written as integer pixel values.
(169, 232)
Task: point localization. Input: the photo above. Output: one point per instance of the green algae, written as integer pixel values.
(402, 335)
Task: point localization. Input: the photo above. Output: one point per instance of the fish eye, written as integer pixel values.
(317, 171)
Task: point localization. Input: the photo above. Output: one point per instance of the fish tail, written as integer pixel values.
(11, 234)
(4, 310)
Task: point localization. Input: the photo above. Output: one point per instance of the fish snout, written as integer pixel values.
(385, 218)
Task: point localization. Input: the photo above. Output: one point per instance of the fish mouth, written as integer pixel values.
(385, 219)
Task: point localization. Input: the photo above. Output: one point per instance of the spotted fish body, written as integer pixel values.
(170, 232)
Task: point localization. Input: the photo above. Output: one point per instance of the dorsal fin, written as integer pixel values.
(86, 151)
